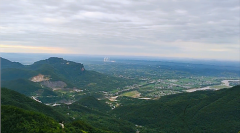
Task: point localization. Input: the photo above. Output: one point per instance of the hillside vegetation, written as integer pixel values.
(16, 76)
(17, 120)
(203, 111)
(88, 117)
(72, 73)
(28, 87)
(10, 97)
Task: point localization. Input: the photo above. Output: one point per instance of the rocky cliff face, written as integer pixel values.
(39, 78)
(45, 81)
(54, 84)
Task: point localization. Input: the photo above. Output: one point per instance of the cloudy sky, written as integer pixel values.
(205, 29)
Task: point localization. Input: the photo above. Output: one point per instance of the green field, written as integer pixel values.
(134, 94)
(219, 86)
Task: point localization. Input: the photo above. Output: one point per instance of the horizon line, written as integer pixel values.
(133, 56)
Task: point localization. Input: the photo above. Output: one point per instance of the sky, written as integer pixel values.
(198, 29)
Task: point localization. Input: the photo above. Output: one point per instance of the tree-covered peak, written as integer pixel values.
(9, 64)
(57, 59)
(52, 60)
(58, 63)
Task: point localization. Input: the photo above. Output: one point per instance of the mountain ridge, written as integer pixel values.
(58, 70)
(5, 63)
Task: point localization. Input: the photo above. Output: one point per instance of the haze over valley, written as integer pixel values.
(107, 85)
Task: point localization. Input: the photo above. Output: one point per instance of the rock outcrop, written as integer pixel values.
(39, 78)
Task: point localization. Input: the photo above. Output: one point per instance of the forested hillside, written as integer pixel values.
(13, 98)
(58, 69)
(31, 80)
(17, 120)
(202, 111)
(87, 118)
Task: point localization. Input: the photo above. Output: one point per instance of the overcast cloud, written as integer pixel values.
(165, 28)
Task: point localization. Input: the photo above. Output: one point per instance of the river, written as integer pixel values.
(224, 82)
